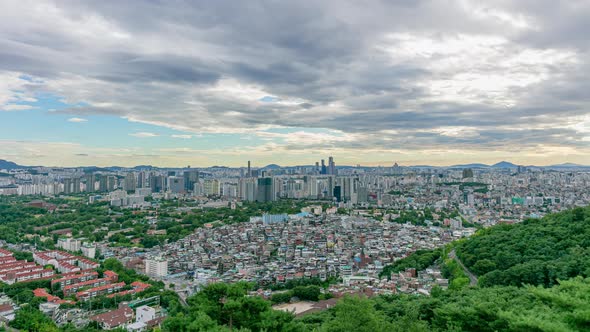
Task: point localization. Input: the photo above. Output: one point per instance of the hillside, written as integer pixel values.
(536, 252)
(5, 164)
(504, 164)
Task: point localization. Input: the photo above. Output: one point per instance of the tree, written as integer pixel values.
(113, 264)
(356, 314)
(227, 305)
(537, 252)
(283, 297)
(307, 293)
(31, 319)
(279, 321)
(483, 266)
(420, 260)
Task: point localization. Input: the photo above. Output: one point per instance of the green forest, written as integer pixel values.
(535, 252)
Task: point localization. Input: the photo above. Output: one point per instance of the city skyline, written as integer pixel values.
(503, 164)
(202, 84)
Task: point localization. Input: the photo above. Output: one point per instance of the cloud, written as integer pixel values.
(77, 120)
(181, 136)
(17, 107)
(143, 134)
(425, 75)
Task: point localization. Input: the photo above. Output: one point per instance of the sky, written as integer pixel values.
(201, 83)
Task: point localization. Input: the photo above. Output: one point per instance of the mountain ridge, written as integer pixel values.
(9, 165)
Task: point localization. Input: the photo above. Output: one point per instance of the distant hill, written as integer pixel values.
(504, 164)
(271, 166)
(567, 165)
(474, 165)
(143, 167)
(9, 165)
(5, 164)
(90, 169)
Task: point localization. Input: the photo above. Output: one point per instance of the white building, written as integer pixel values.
(144, 314)
(89, 250)
(456, 223)
(211, 187)
(143, 191)
(156, 267)
(69, 244)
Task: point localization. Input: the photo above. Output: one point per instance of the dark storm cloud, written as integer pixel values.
(275, 73)
(127, 68)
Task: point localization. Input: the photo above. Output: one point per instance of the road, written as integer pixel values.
(472, 277)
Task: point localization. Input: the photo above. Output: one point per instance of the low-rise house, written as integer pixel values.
(113, 319)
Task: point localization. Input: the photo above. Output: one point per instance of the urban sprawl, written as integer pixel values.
(191, 227)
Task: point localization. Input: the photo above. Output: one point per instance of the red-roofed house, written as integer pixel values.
(100, 290)
(74, 279)
(71, 289)
(4, 252)
(115, 318)
(112, 276)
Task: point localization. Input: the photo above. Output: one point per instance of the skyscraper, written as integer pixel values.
(331, 166)
(211, 187)
(141, 180)
(191, 177)
(157, 183)
(130, 183)
(338, 193)
(247, 189)
(362, 195)
(89, 180)
(176, 184)
(347, 187)
(67, 186)
(76, 185)
(107, 182)
(396, 169)
(265, 190)
(102, 183)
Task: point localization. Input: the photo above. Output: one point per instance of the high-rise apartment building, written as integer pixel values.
(67, 186)
(130, 182)
(71, 185)
(141, 180)
(89, 181)
(265, 192)
(247, 189)
(211, 187)
(107, 183)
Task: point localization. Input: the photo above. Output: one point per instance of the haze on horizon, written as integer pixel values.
(217, 82)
